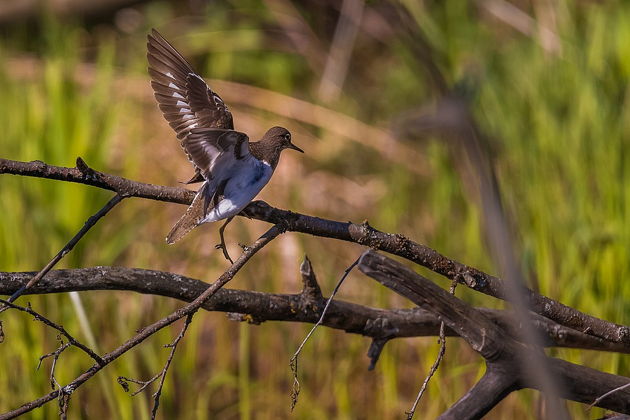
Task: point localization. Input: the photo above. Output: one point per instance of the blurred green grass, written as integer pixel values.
(559, 122)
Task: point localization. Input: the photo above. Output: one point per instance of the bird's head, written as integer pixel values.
(280, 138)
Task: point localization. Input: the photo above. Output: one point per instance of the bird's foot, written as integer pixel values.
(222, 247)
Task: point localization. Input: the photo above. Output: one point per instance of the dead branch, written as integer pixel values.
(362, 234)
(146, 332)
(293, 363)
(173, 347)
(91, 221)
(302, 307)
(503, 354)
(495, 338)
(436, 364)
(39, 317)
(161, 375)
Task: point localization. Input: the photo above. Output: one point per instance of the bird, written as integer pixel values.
(233, 169)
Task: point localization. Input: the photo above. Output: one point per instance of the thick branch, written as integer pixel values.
(421, 254)
(122, 186)
(493, 387)
(362, 234)
(578, 383)
(479, 331)
(303, 307)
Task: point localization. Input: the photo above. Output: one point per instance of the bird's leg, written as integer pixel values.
(222, 244)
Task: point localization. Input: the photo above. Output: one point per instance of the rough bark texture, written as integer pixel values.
(488, 332)
(503, 354)
(306, 306)
(362, 234)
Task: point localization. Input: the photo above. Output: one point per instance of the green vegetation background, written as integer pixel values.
(559, 121)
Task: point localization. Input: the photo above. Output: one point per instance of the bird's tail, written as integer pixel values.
(193, 217)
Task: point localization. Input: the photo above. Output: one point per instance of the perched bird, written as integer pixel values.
(232, 168)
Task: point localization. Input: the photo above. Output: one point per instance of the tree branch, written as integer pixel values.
(302, 307)
(491, 389)
(504, 355)
(485, 334)
(362, 234)
(146, 332)
(71, 340)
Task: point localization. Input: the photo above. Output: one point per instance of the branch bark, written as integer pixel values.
(146, 332)
(305, 306)
(503, 354)
(486, 335)
(362, 234)
(491, 389)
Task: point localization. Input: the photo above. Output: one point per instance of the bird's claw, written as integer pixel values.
(225, 252)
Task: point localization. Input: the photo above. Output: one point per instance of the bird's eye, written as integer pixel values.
(288, 136)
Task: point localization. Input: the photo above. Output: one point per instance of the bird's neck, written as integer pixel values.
(265, 151)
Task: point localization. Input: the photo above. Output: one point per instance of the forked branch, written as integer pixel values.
(362, 234)
(491, 336)
(503, 355)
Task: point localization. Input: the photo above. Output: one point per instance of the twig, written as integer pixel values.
(612, 391)
(41, 318)
(123, 381)
(55, 355)
(146, 332)
(63, 398)
(295, 389)
(173, 346)
(436, 364)
(91, 221)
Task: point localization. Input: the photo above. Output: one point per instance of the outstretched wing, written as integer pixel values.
(184, 98)
(215, 151)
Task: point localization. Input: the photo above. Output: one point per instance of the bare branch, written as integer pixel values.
(302, 307)
(293, 363)
(401, 246)
(493, 387)
(71, 340)
(146, 332)
(124, 381)
(75, 239)
(64, 399)
(436, 364)
(362, 234)
(501, 352)
(120, 185)
(173, 347)
(612, 391)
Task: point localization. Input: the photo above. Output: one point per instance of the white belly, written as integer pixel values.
(246, 179)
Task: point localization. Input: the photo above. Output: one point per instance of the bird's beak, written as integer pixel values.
(294, 147)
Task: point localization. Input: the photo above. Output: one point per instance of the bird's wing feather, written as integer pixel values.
(214, 150)
(184, 98)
